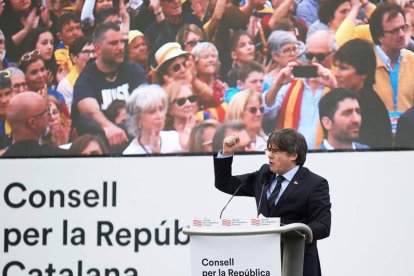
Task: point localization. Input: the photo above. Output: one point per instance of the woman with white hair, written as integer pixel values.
(283, 48)
(146, 111)
(246, 107)
(18, 80)
(209, 89)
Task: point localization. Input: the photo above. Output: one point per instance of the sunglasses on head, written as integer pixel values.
(253, 109)
(182, 101)
(5, 74)
(318, 57)
(28, 56)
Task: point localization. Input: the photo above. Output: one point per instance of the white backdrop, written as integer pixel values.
(371, 194)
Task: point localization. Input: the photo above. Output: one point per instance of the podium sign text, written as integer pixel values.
(224, 254)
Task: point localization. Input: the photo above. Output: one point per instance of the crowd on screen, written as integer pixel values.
(176, 76)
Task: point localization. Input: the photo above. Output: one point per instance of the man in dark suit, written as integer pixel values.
(282, 188)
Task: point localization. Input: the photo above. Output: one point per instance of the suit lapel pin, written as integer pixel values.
(295, 182)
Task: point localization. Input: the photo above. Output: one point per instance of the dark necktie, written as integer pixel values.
(275, 192)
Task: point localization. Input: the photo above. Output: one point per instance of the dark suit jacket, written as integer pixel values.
(404, 138)
(305, 200)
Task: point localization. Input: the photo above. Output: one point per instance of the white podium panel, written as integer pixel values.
(235, 255)
(235, 247)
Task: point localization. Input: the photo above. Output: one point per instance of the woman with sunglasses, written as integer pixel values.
(189, 36)
(41, 39)
(146, 112)
(246, 107)
(36, 75)
(182, 108)
(173, 65)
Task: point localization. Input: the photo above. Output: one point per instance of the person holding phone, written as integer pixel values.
(294, 100)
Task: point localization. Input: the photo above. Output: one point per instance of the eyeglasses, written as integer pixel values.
(44, 112)
(290, 51)
(192, 43)
(17, 86)
(253, 109)
(182, 101)
(409, 4)
(397, 30)
(28, 56)
(88, 52)
(318, 57)
(272, 151)
(177, 67)
(5, 74)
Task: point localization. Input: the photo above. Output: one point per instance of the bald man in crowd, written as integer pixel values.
(28, 116)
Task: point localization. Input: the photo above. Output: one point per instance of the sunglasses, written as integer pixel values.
(182, 101)
(177, 67)
(253, 109)
(88, 52)
(28, 56)
(5, 74)
(397, 30)
(193, 43)
(17, 86)
(318, 57)
(44, 112)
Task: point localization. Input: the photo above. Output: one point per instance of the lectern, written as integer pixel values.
(247, 247)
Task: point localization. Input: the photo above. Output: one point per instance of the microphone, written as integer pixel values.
(244, 182)
(266, 181)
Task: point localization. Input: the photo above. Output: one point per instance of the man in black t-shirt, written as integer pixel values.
(107, 79)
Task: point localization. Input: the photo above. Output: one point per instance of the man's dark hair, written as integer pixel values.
(328, 105)
(65, 18)
(364, 62)
(78, 45)
(113, 110)
(221, 132)
(33, 36)
(247, 68)
(291, 141)
(103, 14)
(234, 39)
(375, 21)
(101, 30)
(327, 10)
